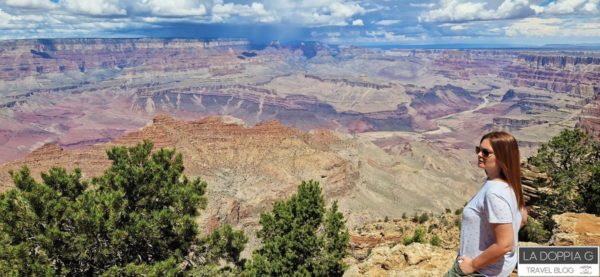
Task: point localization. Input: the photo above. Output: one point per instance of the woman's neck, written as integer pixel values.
(494, 176)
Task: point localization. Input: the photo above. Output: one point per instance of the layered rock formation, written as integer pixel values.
(511, 124)
(249, 168)
(23, 58)
(557, 72)
(443, 100)
(255, 104)
(590, 118)
(77, 92)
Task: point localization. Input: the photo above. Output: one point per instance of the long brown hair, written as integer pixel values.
(507, 155)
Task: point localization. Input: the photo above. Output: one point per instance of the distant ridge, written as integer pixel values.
(486, 46)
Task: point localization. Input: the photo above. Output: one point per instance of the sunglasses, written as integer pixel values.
(486, 153)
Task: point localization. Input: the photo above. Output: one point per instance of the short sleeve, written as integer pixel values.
(497, 208)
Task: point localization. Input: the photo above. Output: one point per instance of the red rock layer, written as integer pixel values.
(247, 168)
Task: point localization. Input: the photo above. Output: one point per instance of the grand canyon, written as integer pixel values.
(384, 131)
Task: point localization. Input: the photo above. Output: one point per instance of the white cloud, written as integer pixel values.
(569, 7)
(456, 10)
(345, 10)
(387, 22)
(221, 12)
(510, 8)
(461, 10)
(422, 5)
(5, 19)
(387, 36)
(171, 8)
(454, 27)
(149, 13)
(314, 12)
(538, 27)
(502, 19)
(553, 27)
(95, 7)
(25, 22)
(31, 4)
(174, 7)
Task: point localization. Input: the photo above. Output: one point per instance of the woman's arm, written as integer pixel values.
(523, 217)
(504, 243)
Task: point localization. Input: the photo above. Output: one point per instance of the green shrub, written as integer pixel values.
(569, 159)
(423, 218)
(572, 161)
(534, 231)
(432, 227)
(138, 218)
(458, 211)
(419, 235)
(415, 218)
(457, 222)
(436, 241)
(300, 237)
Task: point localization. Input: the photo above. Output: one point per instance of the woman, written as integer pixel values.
(491, 220)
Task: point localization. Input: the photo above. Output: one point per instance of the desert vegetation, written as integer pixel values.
(138, 218)
(571, 160)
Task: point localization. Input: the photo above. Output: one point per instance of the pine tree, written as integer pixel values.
(570, 160)
(301, 238)
(138, 218)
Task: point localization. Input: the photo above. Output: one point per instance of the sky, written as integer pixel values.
(342, 22)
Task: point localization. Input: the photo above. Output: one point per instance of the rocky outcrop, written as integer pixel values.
(400, 260)
(348, 82)
(534, 184)
(249, 168)
(559, 61)
(511, 124)
(442, 100)
(513, 95)
(575, 229)
(534, 107)
(377, 249)
(228, 155)
(589, 120)
(254, 104)
(22, 58)
(573, 74)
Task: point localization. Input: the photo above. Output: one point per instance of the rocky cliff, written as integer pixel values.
(589, 120)
(23, 58)
(249, 168)
(574, 74)
(443, 100)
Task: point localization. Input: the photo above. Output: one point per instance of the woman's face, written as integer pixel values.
(487, 162)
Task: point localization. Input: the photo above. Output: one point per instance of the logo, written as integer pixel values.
(558, 261)
(586, 269)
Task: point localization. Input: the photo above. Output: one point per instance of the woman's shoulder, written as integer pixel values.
(497, 187)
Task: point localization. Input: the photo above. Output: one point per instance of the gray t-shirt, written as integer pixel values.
(495, 202)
